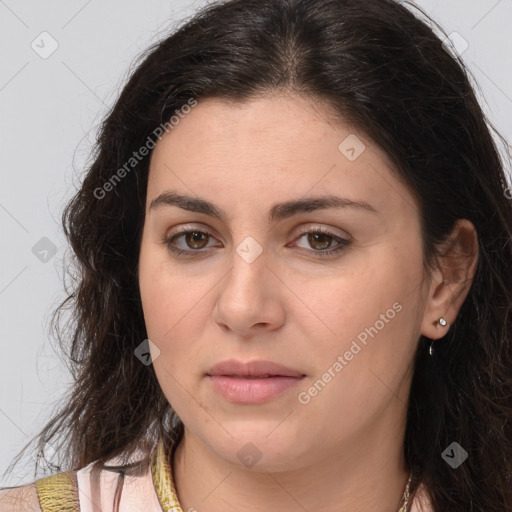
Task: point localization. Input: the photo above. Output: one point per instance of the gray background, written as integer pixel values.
(50, 109)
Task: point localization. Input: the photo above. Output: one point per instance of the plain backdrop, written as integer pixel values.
(63, 64)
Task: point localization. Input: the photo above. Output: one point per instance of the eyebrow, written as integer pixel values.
(278, 211)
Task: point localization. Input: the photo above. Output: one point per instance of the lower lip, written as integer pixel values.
(251, 391)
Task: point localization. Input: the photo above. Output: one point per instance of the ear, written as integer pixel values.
(451, 280)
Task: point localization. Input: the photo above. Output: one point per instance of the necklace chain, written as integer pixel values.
(406, 495)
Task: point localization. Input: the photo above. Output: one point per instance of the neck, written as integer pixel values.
(366, 473)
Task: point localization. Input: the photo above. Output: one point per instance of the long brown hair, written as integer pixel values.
(384, 70)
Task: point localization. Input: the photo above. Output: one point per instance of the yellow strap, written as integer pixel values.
(163, 480)
(58, 493)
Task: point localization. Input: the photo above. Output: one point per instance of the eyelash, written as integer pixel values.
(342, 243)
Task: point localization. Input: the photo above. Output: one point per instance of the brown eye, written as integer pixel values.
(319, 240)
(188, 243)
(196, 239)
(194, 243)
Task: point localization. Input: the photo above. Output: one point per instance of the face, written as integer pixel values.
(333, 291)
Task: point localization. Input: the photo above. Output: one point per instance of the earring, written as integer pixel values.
(443, 323)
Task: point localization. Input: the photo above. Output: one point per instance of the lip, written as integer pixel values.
(253, 382)
(257, 368)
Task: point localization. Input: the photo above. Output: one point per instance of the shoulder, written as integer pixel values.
(19, 499)
(129, 484)
(52, 493)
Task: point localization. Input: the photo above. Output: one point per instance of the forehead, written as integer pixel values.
(269, 144)
(289, 118)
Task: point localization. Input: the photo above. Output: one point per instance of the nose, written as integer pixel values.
(249, 297)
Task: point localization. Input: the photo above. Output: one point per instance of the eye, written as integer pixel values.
(320, 239)
(196, 241)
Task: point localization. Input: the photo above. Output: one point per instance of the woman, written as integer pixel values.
(295, 277)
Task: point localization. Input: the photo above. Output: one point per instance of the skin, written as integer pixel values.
(343, 449)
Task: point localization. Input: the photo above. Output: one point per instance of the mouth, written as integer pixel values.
(252, 376)
(258, 369)
(252, 383)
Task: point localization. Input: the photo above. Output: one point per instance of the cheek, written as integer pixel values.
(359, 375)
(172, 318)
(173, 325)
(367, 293)
(166, 293)
(175, 307)
(371, 314)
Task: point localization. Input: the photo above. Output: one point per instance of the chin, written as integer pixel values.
(257, 450)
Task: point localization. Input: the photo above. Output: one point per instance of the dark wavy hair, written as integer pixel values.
(384, 70)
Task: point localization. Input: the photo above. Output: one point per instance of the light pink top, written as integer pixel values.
(151, 490)
(139, 494)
